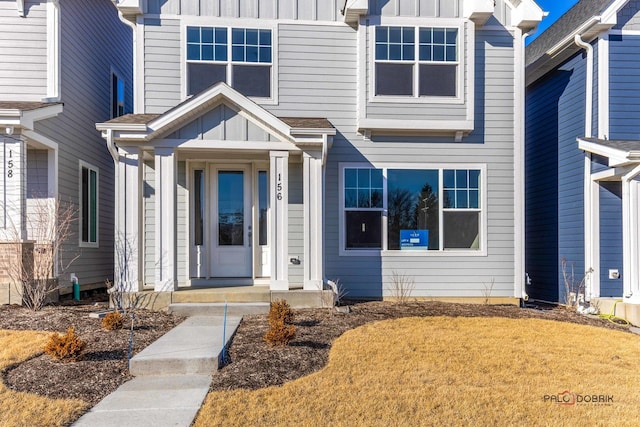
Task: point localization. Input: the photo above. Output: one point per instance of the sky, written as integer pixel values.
(556, 9)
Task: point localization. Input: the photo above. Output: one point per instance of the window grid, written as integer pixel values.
(461, 188)
(207, 44)
(438, 44)
(363, 188)
(250, 45)
(395, 43)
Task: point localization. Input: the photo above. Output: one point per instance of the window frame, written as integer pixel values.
(229, 25)
(441, 251)
(81, 242)
(462, 76)
(115, 78)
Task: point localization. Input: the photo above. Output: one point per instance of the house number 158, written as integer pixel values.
(10, 165)
(279, 187)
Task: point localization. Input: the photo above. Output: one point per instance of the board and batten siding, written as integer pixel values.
(86, 94)
(23, 43)
(296, 223)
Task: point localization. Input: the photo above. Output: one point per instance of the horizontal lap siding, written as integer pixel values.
(23, 43)
(610, 238)
(624, 86)
(85, 92)
(162, 66)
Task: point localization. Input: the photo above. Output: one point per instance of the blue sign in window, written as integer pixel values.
(414, 239)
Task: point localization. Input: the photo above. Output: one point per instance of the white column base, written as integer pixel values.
(279, 285)
(313, 285)
(166, 286)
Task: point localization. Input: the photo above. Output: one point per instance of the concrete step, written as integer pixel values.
(193, 347)
(238, 294)
(217, 308)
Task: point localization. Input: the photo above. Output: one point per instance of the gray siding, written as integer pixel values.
(490, 144)
(161, 64)
(23, 43)
(37, 174)
(182, 221)
(296, 223)
(149, 223)
(85, 92)
(624, 87)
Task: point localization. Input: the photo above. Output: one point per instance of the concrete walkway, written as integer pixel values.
(172, 377)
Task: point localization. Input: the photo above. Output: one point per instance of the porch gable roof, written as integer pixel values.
(147, 127)
(618, 153)
(23, 114)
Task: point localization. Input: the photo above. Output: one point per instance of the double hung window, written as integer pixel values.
(431, 209)
(417, 61)
(241, 57)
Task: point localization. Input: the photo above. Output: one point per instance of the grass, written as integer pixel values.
(451, 371)
(24, 409)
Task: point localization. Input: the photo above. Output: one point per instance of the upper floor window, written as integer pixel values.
(416, 61)
(117, 96)
(241, 57)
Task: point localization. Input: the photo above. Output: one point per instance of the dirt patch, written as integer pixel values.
(251, 363)
(104, 366)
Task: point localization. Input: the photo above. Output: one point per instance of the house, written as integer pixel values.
(287, 143)
(65, 66)
(582, 142)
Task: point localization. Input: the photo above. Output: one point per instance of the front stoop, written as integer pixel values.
(631, 312)
(193, 347)
(188, 309)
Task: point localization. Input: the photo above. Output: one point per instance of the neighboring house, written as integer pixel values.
(285, 143)
(65, 66)
(583, 146)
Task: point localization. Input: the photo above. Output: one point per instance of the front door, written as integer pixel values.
(231, 214)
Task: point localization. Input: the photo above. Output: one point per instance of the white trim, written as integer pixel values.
(204, 20)
(470, 87)
(225, 145)
(53, 50)
(361, 72)
(440, 167)
(52, 148)
(630, 279)
(610, 15)
(603, 87)
(165, 228)
(405, 126)
(279, 205)
(519, 165)
(84, 165)
(593, 284)
(20, 7)
(139, 72)
(623, 32)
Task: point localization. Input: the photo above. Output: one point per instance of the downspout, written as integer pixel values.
(520, 273)
(116, 222)
(628, 267)
(134, 32)
(588, 126)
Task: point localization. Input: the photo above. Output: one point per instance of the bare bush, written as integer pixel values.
(488, 290)
(401, 286)
(34, 274)
(573, 289)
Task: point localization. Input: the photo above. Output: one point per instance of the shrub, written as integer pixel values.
(65, 348)
(112, 321)
(281, 331)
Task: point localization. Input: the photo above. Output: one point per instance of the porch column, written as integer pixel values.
(279, 172)
(313, 231)
(165, 249)
(13, 198)
(127, 238)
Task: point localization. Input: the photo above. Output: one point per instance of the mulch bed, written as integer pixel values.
(251, 362)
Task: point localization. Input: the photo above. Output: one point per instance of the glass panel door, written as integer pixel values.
(231, 208)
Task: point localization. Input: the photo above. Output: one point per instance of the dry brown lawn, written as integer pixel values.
(452, 371)
(25, 409)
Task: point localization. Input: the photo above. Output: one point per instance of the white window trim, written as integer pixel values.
(459, 24)
(229, 24)
(482, 251)
(90, 167)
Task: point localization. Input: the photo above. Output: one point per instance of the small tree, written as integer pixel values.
(48, 224)
(573, 288)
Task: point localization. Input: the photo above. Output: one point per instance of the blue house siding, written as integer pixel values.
(554, 172)
(624, 84)
(610, 238)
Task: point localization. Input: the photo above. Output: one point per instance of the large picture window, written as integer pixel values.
(88, 205)
(241, 57)
(432, 209)
(416, 61)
